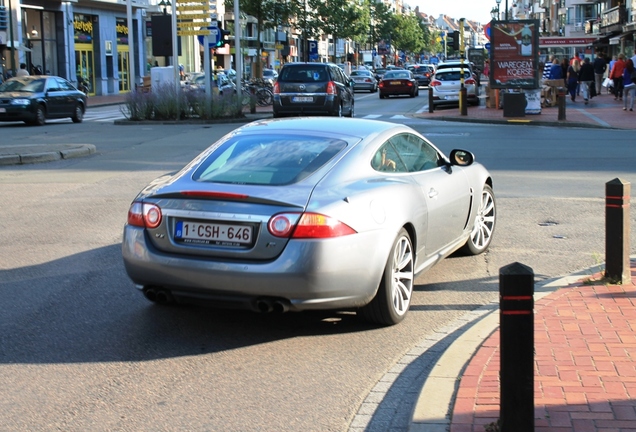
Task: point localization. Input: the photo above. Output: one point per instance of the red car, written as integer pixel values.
(398, 82)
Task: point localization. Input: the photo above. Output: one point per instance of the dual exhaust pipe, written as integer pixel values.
(263, 305)
(158, 295)
(266, 305)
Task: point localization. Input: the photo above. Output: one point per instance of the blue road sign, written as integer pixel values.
(487, 46)
(213, 39)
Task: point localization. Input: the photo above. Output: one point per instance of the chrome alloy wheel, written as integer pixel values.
(484, 226)
(402, 275)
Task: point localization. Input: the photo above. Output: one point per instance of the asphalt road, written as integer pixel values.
(81, 349)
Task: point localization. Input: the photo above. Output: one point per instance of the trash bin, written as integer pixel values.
(514, 105)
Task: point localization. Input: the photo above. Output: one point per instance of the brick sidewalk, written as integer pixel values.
(585, 364)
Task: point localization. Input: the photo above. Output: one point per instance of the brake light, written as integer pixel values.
(208, 194)
(381, 84)
(307, 225)
(435, 83)
(144, 215)
(470, 81)
(331, 88)
(409, 84)
(276, 89)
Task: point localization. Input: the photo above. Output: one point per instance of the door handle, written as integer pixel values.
(432, 193)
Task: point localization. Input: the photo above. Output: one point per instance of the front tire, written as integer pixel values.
(484, 224)
(40, 116)
(392, 301)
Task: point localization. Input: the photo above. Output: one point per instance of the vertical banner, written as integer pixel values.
(514, 52)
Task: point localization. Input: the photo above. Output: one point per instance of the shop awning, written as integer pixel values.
(17, 46)
(616, 40)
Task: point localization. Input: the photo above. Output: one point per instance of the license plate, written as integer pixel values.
(302, 99)
(213, 233)
(396, 82)
(3, 110)
(452, 97)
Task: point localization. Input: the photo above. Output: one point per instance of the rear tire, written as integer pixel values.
(392, 301)
(78, 114)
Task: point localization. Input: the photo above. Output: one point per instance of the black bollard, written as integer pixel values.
(561, 102)
(516, 332)
(463, 101)
(617, 231)
(431, 105)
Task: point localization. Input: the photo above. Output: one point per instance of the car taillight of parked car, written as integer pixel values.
(331, 88)
(144, 215)
(276, 89)
(307, 225)
(470, 81)
(435, 83)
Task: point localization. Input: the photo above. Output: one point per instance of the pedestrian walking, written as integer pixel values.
(547, 67)
(556, 71)
(586, 79)
(629, 84)
(599, 72)
(616, 74)
(573, 78)
(564, 70)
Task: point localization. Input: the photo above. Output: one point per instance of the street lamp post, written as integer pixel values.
(13, 71)
(164, 5)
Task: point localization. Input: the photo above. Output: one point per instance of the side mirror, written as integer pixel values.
(461, 157)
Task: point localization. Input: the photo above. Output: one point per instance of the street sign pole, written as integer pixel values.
(206, 67)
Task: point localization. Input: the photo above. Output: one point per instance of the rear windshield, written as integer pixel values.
(268, 160)
(303, 74)
(451, 76)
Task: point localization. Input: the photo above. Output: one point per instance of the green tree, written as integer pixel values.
(407, 34)
(268, 14)
(341, 19)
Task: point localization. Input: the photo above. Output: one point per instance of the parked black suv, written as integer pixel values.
(313, 88)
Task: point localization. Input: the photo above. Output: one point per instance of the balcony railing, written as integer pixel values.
(615, 16)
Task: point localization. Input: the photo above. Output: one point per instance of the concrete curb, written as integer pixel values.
(31, 154)
(520, 122)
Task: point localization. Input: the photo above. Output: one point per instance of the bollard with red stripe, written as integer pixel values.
(617, 231)
(516, 332)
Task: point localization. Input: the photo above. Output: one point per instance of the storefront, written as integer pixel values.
(565, 47)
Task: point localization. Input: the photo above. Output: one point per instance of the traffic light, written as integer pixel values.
(223, 36)
(454, 40)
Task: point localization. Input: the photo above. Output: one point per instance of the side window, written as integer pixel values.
(417, 154)
(64, 85)
(386, 159)
(337, 74)
(51, 85)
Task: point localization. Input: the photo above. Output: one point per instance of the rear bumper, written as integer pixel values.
(299, 275)
(323, 104)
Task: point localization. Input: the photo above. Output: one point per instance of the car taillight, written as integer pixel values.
(435, 83)
(331, 88)
(276, 89)
(381, 84)
(470, 81)
(144, 215)
(409, 84)
(307, 225)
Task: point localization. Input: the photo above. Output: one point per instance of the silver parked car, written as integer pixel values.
(308, 213)
(446, 85)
